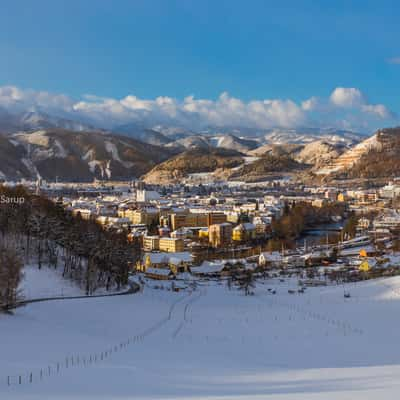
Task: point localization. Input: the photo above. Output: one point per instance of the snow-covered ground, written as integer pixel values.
(46, 282)
(218, 344)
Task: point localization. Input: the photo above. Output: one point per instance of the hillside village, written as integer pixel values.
(216, 231)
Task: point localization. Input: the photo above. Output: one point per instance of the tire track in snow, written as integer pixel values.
(185, 314)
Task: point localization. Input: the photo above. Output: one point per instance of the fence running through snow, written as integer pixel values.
(86, 360)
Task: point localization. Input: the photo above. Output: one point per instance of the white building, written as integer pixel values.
(144, 196)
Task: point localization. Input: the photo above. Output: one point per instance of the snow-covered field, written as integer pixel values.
(217, 344)
(46, 282)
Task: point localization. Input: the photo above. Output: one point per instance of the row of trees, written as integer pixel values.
(46, 234)
(10, 275)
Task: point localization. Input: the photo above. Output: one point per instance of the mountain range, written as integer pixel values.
(33, 144)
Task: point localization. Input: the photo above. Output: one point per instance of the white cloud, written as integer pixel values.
(17, 99)
(378, 109)
(311, 104)
(345, 107)
(354, 98)
(225, 111)
(347, 97)
(394, 60)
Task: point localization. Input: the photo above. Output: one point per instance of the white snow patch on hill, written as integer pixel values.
(61, 153)
(95, 163)
(249, 160)
(30, 166)
(88, 155)
(46, 282)
(112, 149)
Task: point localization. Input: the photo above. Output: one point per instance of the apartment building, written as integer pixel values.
(216, 218)
(146, 216)
(220, 234)
(151, 243)
(171, 245)
(196, 219)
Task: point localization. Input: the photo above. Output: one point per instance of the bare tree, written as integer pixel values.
(246, 282)
(10, 276)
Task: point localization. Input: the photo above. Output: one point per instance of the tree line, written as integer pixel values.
(42, 232)
(298, 217)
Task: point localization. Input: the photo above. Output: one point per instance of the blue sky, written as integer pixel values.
(253, 50)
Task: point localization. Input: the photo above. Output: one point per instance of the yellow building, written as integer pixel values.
(176, 262)
(232, 217)
(364, 266)
(142, 216)
(188, 220)
(220, 234)
(173, 245)
(319, 203)
(243, 232)
(341, 197)
(203, 233)
(216, 218)
(177, 221)
(151, 243)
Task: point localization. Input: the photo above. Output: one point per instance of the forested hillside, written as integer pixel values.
(37, 231)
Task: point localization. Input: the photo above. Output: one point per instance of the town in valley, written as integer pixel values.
(199, 200)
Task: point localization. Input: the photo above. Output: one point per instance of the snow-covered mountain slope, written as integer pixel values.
(190, 142)
(308, 135)
(36, 120)
(146, 135)
(141, 129)
(76, 156)
(351, 156)
(233, 142)
(377, 157)
(320, 152)
(225, 141)
(317, 154)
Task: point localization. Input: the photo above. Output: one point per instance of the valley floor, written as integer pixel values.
(217, 344)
